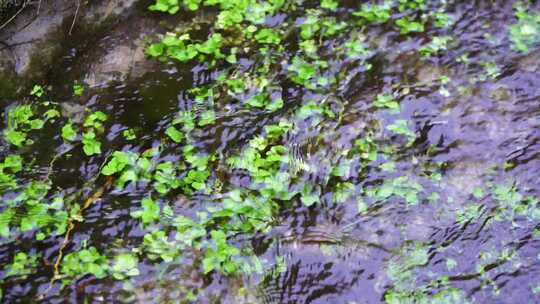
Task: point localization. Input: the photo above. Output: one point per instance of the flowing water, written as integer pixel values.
(448, 211)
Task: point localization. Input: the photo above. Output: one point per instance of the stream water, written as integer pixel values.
(446, 212)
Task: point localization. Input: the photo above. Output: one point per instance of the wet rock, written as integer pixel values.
(501, 93)
(465, 177)
(530, 62)
(36, 41)
(73, 111)
(429, 73)
(125, 59)
(21, 39)
(103, 11)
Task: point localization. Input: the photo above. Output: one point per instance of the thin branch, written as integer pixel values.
(75, 17)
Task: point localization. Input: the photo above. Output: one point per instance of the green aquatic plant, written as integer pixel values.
(95, 120)
(157, 245)
(183, 49)
(470, 213)
(172, 6)
(402, 187)
(221, 255)
(331, 27)
(402, 269)
(78, 89)
(443, 20)
(85, 261)
(21, 120)
(310, 194)
(411, 5)
(11, 165)
(366, 148)
(190, 232)
(23, 265)
(37, 90)
(68, 132)
(513, 204)
(401, 127)
(165, 177)
(130, 166)
(125, 265)
(356, 49)
(408, 25)
(264, 101)
(129, 134)
(150, 212)
(93, 125)
(195, 178)
(244, 211)
(207, 118)
(310, 26)
(385, 101)
(268, 36)
(525, 33)
(374, 13)
(426, 296)
(329, 4)
(343, 191)
(41, 215)
(436, 45)
(91, 145)
(303, 72)
(174, 134)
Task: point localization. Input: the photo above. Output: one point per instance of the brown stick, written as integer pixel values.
(71, 226)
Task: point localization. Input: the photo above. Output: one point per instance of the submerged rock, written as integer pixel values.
(38, 41)
(123, 57)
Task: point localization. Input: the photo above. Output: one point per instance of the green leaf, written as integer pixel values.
(68, 132)
(37, 90)
(374, 13)
(91, 145)
(207, 118)
(268, 36)
(155, 49)
(525, 33)
(386, 101)
(15, 138)
(329, 4)
(401, 127)
(174, 134)
(95, 120)
(150, 212)
(51, 113)
(408, 25)
(118, 162)
(5, 219)
(125, 265)
(78, 89)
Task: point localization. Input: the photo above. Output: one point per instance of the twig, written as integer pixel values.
(71, 225)
(74, 17)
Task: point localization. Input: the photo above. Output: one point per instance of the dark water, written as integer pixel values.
(478, 131)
